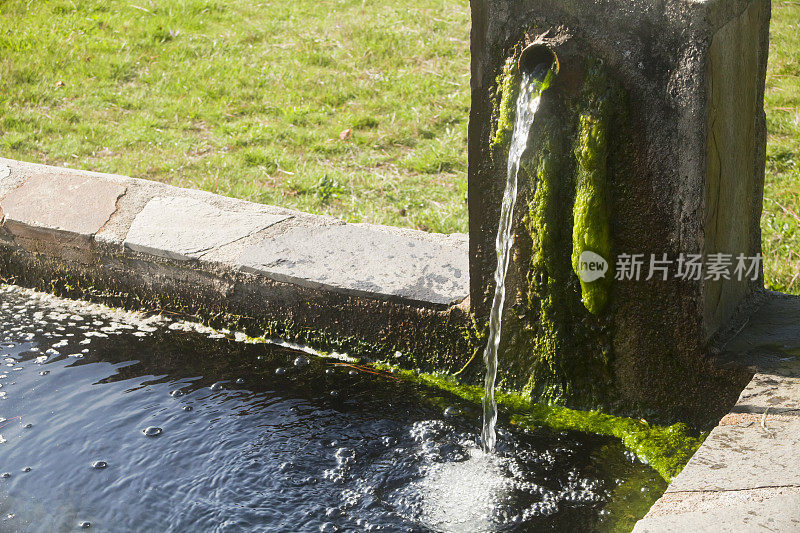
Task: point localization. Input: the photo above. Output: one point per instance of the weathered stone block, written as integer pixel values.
(666, 97)
(365, 260)
(65, 203)
(184, 228)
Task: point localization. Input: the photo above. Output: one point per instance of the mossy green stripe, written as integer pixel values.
(507, 87)
(591, 230)
(665, 449)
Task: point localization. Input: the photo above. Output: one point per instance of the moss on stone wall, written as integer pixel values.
(548, 274)
(447, 340)
(591, 231)
(556, 345)
(505, 106)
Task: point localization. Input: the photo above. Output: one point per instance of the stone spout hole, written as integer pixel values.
(538, 56)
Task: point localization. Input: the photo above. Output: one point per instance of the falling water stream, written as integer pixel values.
(533, 83)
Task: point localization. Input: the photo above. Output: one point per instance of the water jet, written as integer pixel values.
(537, 66)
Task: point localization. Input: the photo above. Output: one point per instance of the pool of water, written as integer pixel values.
(119, 422)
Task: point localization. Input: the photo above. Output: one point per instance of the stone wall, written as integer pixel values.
(372, 291)
(663, 101)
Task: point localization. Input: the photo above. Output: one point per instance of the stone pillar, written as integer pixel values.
(656, 125)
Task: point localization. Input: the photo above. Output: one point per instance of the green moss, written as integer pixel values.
(547, 277)
(591, 230)
(507, 89)
(508, 84)
(665, 449)
(557, 348)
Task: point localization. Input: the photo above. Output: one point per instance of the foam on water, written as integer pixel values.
(464, 496)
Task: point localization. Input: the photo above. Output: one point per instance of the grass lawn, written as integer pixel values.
(780, 222)
(348, 108)
(353, 109)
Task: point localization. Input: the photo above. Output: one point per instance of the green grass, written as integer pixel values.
(780, 222)
(250, 99)
(338, 107)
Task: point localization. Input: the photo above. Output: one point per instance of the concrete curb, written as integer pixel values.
(746, 475)
(139, 243)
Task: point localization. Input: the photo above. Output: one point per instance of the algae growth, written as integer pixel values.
(665, 449)
(561, 332)
(507, 89)
(591, 231)
(548, 277)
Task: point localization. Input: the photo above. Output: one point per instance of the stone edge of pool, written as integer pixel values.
(369, 289)
(746, 474)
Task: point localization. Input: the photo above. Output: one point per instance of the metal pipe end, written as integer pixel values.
(536, 55)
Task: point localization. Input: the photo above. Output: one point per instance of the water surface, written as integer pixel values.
(261, 437)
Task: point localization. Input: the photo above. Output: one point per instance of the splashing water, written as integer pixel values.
(468, 496)
(533, 84)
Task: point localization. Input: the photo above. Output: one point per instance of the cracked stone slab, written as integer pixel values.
(771, 510)
(183, 228)
(745, 456)
(364, 260)
(62, 202)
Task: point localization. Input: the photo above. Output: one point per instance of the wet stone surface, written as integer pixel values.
(265, 451)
